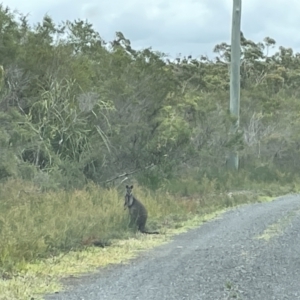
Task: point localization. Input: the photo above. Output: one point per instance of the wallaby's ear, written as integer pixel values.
(131, 187)
(126, 186)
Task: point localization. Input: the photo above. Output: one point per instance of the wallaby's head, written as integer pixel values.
(128, 197)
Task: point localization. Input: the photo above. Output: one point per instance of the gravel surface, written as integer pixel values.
(222, 259)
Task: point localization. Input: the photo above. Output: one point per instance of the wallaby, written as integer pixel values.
(137, 211)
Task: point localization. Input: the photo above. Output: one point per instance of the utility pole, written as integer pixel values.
(235, 62)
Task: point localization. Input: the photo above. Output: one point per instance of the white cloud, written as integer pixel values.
(173, 26)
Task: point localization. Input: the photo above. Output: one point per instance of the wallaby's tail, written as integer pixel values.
(98, 244)
(149, 232)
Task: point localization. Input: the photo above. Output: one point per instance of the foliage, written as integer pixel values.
(76, 108)
(37, 224)
(77, 111)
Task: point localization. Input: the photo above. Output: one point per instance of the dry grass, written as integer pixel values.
(45, 235)
(44, 277)
(35, 225)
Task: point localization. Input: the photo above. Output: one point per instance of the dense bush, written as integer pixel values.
(75, 108)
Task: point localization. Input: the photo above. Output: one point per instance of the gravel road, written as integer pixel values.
(250, 252)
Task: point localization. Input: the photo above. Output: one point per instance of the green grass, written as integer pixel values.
(46, 236)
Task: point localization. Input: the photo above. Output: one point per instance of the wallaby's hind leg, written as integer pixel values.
(132, 223)
(141, 228)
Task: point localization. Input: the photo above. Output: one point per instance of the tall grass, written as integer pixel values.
(35, 225)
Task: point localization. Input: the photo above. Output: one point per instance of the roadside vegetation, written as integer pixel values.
(81, 117)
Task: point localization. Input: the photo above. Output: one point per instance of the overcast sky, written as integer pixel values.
(174, 26)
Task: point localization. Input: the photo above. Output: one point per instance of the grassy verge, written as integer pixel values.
(45, 236)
